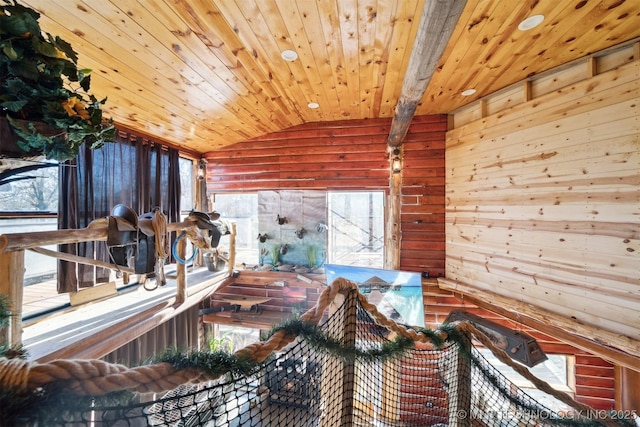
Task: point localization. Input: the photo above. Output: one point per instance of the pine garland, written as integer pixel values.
(53, 405)
(215, 364)
(5, 314)
(6, 350)
(320, 341)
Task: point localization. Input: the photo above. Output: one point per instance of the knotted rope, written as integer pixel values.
(96, 378)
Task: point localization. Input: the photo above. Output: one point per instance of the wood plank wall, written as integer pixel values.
(349, 155)
(543, 198)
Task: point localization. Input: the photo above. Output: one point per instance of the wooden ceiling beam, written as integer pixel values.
(439, 18)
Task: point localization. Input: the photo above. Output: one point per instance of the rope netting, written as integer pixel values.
(354, 368)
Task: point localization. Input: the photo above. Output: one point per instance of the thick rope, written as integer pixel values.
(14, 374)
(470, 330)
(159, 223)
(97, 378)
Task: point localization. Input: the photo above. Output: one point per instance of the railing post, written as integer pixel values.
(11, 285)
(181, 272)
(232, 248)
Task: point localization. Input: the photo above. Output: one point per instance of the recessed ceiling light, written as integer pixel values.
(468, 92)
(289, 55)
(313, 105)
(531, 22)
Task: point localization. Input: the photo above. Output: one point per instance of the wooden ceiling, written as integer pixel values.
(202, 74)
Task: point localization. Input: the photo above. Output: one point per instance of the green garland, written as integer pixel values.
(320, 341)
(215, 364)
(52, 404)
(6, 350)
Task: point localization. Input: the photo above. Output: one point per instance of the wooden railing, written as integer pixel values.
(12, 264)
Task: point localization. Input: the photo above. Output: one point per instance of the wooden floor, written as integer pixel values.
(42, 298)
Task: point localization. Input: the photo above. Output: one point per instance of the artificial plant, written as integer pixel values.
(44, 96)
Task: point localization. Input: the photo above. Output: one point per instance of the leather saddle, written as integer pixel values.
(131, 239)
(206, 221)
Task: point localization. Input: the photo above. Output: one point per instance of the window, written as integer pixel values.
(187, 202)
(557, 371)
(232, 338)
(243, 210)
(355, 227)
(29, 202)
(35, 189)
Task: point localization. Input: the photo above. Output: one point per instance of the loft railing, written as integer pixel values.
(12, 262)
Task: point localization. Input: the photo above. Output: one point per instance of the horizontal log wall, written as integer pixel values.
(543, 198)
(422, 208)
(344, 155)
(349, 155)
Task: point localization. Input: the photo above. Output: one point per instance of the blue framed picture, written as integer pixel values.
(396, 294)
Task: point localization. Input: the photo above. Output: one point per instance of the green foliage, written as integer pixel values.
(5, 314)
(41, 83)
(313, 335)
(6, 350)
(52, 405)
(312, 253)
(220, 344)
(216, 363)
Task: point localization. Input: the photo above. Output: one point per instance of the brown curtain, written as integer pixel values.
(179, 332)
(133, 171)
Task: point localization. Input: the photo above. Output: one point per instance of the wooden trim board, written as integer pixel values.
(93, 293)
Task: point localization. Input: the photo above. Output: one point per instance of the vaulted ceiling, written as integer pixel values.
(202, 74)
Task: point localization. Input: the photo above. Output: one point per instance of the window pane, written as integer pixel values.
(186, 185)
(554, 370)
(233, 338)
(243, 210)
(38, 268)
(33, 190)
(356, 228)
